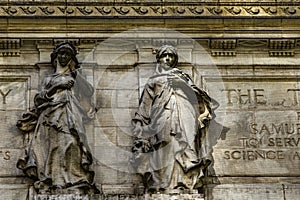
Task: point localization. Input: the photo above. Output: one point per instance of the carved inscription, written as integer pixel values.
(273, 141)
(4, 95)
(8, 158)
(13, 94)
(263, 120)
(5, 155)
(248, 96)
(257, 96)
(260, 93)
(269, 141)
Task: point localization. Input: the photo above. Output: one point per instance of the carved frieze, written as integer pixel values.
(154, 9)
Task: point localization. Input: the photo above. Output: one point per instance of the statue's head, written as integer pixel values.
(167, 56)
(64, 53)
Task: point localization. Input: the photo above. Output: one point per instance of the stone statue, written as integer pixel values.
(170, 148)
(58, 156)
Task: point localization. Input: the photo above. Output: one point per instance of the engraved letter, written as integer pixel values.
(4, 95)
(258, 100)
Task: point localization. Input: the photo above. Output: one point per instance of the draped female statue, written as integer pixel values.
(170, 128)
(58, 155)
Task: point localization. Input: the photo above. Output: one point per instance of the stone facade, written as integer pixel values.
(244, 54)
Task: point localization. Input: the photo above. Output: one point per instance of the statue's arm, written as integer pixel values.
(210, 104)
(84, 86)
(42, 96)
(145, 104)
(142, 116)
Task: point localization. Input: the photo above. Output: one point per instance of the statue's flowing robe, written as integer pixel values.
(172, 149)
(58, 154)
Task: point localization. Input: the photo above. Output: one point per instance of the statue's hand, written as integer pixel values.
(68, 84)
(204, 118)
(91, 113)
(64, 85)
(138, 131)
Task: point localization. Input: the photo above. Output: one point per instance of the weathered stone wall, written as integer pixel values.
(244, 54)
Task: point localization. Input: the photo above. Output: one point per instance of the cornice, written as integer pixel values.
(150, 9)
(275, 47)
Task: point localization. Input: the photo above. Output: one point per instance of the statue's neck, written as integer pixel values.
(162, 70)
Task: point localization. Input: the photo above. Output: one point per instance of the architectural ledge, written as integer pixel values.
(150, 9)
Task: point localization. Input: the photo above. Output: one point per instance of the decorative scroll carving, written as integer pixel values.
(140, 10)
(177, 10)
(85, 11)
(252, 10)
(289, 10)
(215, 10)
(196, 10)
(122, 10)
(159, 10)
(233, 10)
(101, 9)
(9, 10)
(270, 10)
(47, 10)
(66, 10)
(28, 10)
